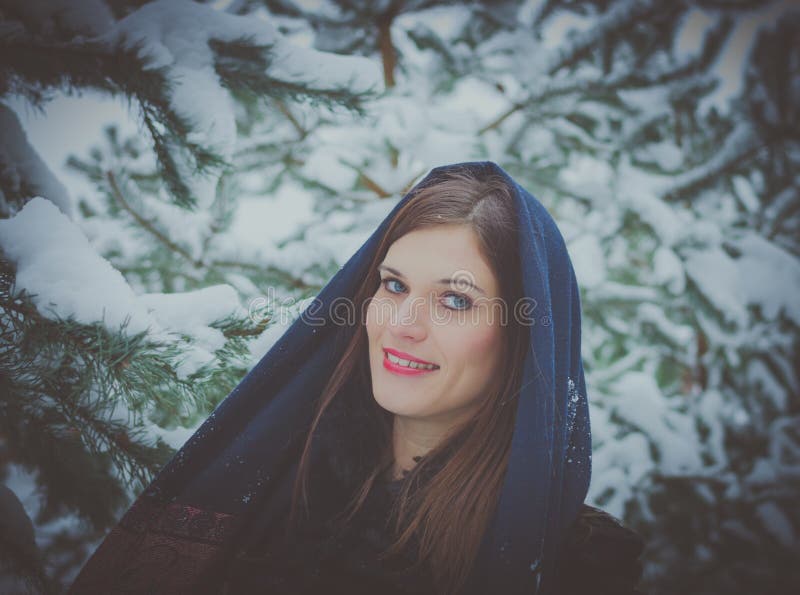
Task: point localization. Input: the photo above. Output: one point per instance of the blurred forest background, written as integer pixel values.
(260, 142)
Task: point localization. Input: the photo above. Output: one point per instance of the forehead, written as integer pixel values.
(441, 251)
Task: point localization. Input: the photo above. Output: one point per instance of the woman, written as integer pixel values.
(337, 464)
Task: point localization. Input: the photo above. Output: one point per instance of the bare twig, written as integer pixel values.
(386, 47)
(301, 132)
(372, 185)
(502, 117)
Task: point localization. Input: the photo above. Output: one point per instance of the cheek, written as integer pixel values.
(375, 326)
(477, 349)
(371, 324)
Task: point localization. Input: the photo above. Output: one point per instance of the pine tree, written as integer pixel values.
(97, 394)
(680, 210)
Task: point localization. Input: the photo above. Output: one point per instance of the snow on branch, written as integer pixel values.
(69, 280)
(621, 16)
(184, 63)
(23, 170)
(740, 145)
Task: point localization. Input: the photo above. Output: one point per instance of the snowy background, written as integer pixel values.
(178, 179)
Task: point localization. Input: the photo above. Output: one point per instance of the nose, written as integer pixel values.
(410, 320)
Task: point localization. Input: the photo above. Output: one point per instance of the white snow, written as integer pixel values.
(63, 270)
(324, 70)
(617, 466)
(177, 436)
(668, 270)
(588, 259)
(665, 154)
(736, 143)
(689, 39)
(175, 35)
(763, 275)
(263, 220)
(185, 228)
(718, 278)
(28, 168)
(70, 280)
(746, 193)
(588, 177)
(562, 25)
(639, 192)
(61, 128)
(191, 313)
(638, 400)
(728, 67)
(770, 277)
(678, 334)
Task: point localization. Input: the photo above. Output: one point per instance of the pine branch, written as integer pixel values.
(34, 69)
(145, 224)
(620, 18)
(427, 39)
(212, 267)
(63, 382)
(739, 148)
(250, 332)
(284, 277)
(328, 97)
(639, 78)
(37, 417)
(243, 67)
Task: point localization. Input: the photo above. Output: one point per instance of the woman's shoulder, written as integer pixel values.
(599, 554)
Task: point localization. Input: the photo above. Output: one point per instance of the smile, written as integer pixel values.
(406, 367)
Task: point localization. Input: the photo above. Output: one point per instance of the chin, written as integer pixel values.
(398, 405)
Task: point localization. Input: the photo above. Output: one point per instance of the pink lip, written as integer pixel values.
(401, 370)
(408, 356)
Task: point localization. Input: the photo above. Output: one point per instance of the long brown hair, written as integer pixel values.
(446, 510)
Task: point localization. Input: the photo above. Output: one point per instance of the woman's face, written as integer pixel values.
(417, 312)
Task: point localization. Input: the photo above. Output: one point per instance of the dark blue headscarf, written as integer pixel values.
(183, 527)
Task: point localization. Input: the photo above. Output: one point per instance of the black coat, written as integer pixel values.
(598, 555)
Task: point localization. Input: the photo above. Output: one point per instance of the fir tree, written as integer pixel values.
(679, 207)
(92, 399)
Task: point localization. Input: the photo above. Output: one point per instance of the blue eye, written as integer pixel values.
(390, 280)
(465, 303)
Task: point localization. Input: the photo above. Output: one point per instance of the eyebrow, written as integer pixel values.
(440, 281)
